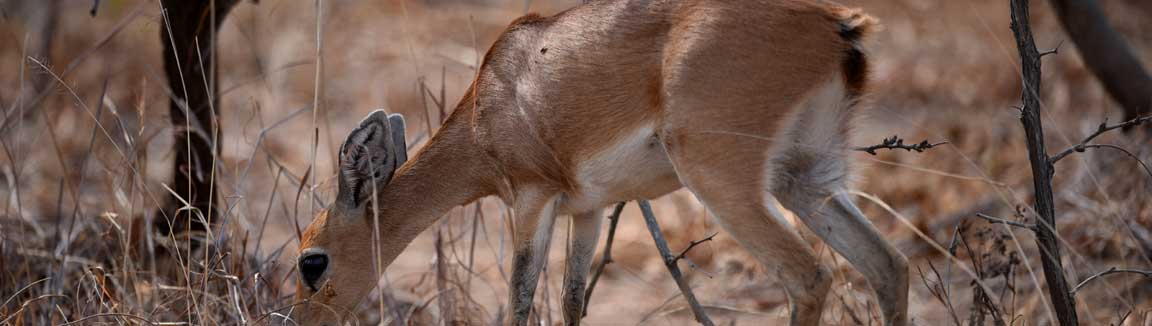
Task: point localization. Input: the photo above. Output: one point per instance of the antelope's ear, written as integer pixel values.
(396, 124)
(369, 157)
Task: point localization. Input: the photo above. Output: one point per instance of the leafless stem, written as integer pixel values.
(444, 301)
(1055, 50)
(895, 142)
(1126, 152)
(605, 258)
(997, 220)
(1112, 270)
(670, 263)
(939, 290)
(1103, 128)
(693, 244)
(1124, 317)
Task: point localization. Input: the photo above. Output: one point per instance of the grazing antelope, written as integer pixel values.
(743, 102)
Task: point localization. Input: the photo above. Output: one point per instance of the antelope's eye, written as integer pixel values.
(312, 266)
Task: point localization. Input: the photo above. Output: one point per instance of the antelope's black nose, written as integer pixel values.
(312, 266)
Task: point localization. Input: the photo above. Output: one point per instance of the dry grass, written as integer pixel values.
(76, 189)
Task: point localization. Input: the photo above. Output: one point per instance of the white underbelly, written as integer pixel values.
(635, 167)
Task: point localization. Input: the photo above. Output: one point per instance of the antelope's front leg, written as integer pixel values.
(583, 235)
(532, 232)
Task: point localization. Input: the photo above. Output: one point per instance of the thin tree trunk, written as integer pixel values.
(189, 53)
(1046, 235)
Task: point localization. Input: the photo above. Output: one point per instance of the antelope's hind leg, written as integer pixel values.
(809, 171)
(831, 214)
(726, 174)
(719, 124)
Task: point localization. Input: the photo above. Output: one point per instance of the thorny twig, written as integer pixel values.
(605, 258)
(683, 254)
(1055, 50)
(895, 142)
(997, 220)
(1126, 152)
(1112, 270)
(1103, 128)
(693, 244)
(670, 263)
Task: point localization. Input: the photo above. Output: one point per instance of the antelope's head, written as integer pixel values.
(336, 264)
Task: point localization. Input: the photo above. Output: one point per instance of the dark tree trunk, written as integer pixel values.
(189, 53)
(43, 22)
(1046, 236)
(1106, 55)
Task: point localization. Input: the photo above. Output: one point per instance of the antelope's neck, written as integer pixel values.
(449, 171)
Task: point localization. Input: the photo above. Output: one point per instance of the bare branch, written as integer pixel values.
(670, 263)
(605, 258)
(693, 244)
(895, 142)
(1103, 128)
(661, 244)
(1124, 317)
(683, 254)
(1125, 151)
(939, 290)
(1055, 50)
(1112, 270)
(997, 220)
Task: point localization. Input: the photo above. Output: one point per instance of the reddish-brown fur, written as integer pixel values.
(740, 101)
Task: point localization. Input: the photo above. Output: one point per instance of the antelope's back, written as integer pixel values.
(555, 90)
